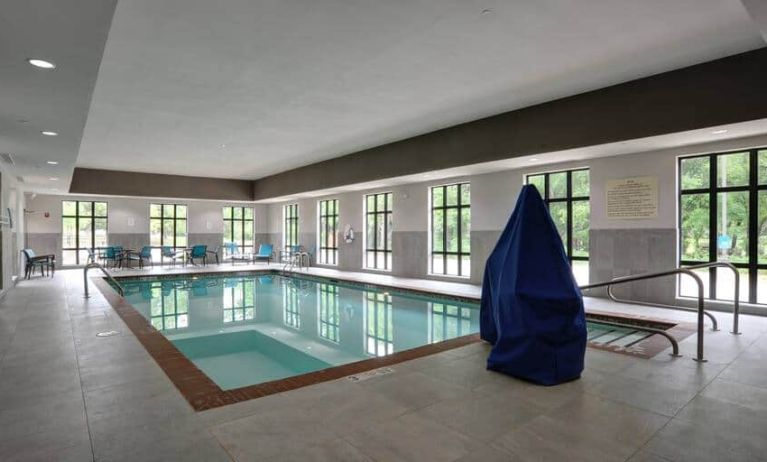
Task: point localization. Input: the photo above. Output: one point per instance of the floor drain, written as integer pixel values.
(108, 333)
(370, 374)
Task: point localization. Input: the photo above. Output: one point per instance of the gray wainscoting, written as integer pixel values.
(482, 243)
(45, 243)
(129, 240)
(621, 252)
(410, 250)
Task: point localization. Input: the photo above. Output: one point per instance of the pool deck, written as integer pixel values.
(66, 394)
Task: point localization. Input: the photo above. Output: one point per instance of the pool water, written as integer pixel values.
(245, 330)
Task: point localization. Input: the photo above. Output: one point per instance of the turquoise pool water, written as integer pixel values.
(244, 330)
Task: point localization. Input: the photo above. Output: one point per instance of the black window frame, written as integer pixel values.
(175, 219)
(567, 199)
(290, 230)
(327, 221)
(243, 223)
(291, 312)
(77, 216)
(444, 253)
(752, 188)
(376, 215)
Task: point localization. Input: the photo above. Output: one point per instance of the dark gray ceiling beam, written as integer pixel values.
(724, 91)
(119, 183)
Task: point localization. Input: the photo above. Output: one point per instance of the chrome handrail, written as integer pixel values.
(611, 296)
(674, 343)
(119, 287)
(641, 277)
(736, 299)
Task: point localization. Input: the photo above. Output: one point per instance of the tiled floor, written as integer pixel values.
(66, 394)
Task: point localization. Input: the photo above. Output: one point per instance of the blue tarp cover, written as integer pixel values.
(532, 310)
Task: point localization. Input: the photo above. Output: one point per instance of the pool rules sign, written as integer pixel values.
(632, 198)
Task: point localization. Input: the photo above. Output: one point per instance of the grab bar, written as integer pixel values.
(119, 287)
(642, 277)
(736, 299)
(611, 296)
(674, 343)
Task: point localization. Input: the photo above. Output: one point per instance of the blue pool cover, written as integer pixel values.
(532, 310)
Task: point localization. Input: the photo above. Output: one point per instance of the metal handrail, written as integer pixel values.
(611, 296)
(674, 343)
(642, 277)
(736, 299)
(119, 287)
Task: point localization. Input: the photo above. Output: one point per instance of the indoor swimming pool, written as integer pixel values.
(248, 329)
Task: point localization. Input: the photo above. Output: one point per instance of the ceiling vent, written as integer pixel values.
(6, 158)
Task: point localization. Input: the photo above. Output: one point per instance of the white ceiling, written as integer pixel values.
(72, 34)
(246, 88)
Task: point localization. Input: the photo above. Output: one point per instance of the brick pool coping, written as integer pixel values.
(202, 393)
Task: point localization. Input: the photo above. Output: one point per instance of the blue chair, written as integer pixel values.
(145, 254)
(32, 261)
(169, 253)
(265, 252)
(199, 252)
(113, 254)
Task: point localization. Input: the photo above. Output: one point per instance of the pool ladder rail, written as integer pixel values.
(116, 284)
(688, 270)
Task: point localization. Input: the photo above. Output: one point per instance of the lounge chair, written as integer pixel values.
(172, 255)
(113, 254)
(265, 252)
(199, 252)
(145, 254)
(32, 261)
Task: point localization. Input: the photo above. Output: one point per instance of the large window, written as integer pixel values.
(723, 217)
(239, 301)
(329, 319)
(290, 232)
(567, 196)
(83, 227)
(167, 227)
(379, 324)
(238, 227)
(451, 230)
(378, 229)
(328, 232)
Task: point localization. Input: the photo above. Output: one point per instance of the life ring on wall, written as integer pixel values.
(349, 234)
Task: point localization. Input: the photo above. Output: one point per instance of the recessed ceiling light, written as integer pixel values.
(533, 159)
(719, 132)
(41, 63)
(52, 162)
(49, 133)
(223, 145)
(53, 178)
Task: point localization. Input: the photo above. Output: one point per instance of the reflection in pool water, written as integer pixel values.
(250, 329)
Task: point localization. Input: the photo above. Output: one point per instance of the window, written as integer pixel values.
(451, 229)
(328, 232)
(167, 227)
(378, 227)
(169, 306)
(449, 321)
(329, 315)
(239, 301)
(291, 225)
(291, 306)
(379, 327)
(84, 226)
(567, 196)
(238, 227)
(723, 217)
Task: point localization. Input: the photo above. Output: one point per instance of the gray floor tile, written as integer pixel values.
(413, 390)
(412, 438)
